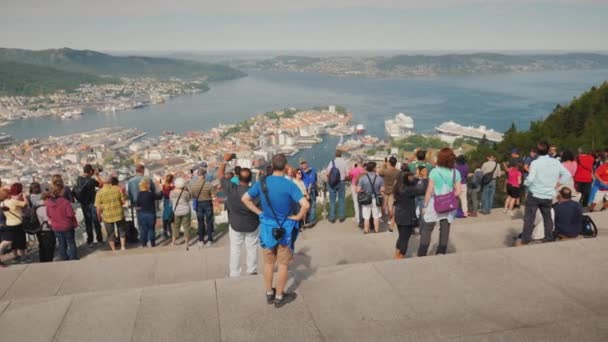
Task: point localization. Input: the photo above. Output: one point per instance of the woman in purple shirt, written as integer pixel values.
(461, 166)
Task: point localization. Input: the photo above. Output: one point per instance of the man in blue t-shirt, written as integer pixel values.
(278, 225)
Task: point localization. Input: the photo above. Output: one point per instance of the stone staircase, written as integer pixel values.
(349, 290)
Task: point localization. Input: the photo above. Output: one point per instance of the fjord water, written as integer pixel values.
(491, 100)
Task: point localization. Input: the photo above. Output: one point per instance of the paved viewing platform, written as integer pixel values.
(348, 290)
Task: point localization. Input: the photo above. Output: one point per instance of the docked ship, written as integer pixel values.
(452, 129)
(6, 139)
(71, 114)
(360, 129)
(401, 126)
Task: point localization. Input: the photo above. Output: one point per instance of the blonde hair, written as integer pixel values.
(144, 185)
(57, 186)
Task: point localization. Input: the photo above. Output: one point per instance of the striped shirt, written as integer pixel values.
(110, 200)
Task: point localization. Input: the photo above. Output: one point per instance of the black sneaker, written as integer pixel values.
(287, 298)
(342, 220)
(270, 298)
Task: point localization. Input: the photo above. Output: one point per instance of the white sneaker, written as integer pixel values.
(201, 244)
(209, 244)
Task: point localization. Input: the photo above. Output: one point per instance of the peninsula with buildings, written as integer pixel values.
(254, 141)
(66, 82)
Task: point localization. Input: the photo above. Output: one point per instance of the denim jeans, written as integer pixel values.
(533, 204)
(338, 191)
(204, 218)
(147, 231)
(67, 245)
(91, 221)
(312, 212)
(487, 196)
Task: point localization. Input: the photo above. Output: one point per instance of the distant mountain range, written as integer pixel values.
(65, 66)
(430, 65)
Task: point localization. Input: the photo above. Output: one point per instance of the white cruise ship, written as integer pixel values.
(450, 128)
(400, 127)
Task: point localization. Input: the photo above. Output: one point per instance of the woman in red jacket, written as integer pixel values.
(62, 219)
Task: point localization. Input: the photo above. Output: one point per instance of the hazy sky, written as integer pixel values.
(305, 24)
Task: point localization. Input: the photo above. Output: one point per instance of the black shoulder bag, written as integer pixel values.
(279, 231)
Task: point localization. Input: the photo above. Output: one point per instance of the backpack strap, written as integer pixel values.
(372, 183)
(264, 187)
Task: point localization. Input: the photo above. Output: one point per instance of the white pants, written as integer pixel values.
(353, 191)
(251, 246)
(464, 201)
(371, 211)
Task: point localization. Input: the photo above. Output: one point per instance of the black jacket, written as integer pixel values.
(405, 206)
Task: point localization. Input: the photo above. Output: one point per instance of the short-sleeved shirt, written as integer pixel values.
(491, 166)
(180, 200)
(443, 178)
(389, 176)
(110, 199)
(366, 180)
(514, 177)
(203, 189)
(240, 217)
(283, 195)
(355, 173)
(341, 165)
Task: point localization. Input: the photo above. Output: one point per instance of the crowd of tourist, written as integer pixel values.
(411, 197)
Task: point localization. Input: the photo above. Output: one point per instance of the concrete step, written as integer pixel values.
(543, 292)
(120, 271)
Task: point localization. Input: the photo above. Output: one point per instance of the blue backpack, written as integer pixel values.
(334, 175)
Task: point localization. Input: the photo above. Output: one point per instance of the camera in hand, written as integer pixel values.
(278, 233)
(233, 156)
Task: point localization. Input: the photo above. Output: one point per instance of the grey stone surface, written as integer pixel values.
(33, 320)
(245, 316)
(573, 267)
(438, 290)
(178, 267)
(110, 274)
(107, 316)
(591, 329)
(40, 280)
(8, 276)
(185, 312)
(357, 304)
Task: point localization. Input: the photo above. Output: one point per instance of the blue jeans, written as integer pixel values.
(204, 218)
(487, 196)
(147, 227)
(333, 192)
(91, 221)
(312, 212)
(67, 245)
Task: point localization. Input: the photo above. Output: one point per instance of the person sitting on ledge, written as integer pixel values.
(568, 215)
